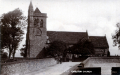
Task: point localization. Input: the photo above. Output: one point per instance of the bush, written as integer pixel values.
(4, 55)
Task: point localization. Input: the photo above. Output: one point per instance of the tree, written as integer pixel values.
(56, 48)
(11, 24)
(116, 36)
(23, 51)
(83, 47)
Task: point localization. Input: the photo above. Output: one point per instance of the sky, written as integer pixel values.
(97, 17)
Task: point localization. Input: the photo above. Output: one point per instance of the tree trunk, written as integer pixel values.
(9, 54)
(10, 51)
(14, 53)
(13, 56)
(13, 46)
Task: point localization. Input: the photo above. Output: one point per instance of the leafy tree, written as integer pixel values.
(23, 51)
(116, 36)
(83, 47)
(11, 24)
(56, 48)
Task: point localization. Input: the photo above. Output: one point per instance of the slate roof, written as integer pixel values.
(74, 37)
(67, 37)
(99, 41)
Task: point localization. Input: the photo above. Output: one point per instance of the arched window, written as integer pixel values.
(36, 21)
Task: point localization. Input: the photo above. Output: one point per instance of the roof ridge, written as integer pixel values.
(96, 36)
(66, 31)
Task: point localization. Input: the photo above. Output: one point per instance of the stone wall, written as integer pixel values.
(23, 67)
(37, 34)
(89, 62)
(86, 62)
(101, 52)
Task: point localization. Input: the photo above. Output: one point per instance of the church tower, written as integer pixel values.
(36, 32)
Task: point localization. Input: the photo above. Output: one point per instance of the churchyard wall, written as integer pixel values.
(27, 66)
(101, 61)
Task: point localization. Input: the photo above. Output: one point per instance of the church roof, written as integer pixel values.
(99, 41)
(37, 10)
(74, 37)
(67, 37)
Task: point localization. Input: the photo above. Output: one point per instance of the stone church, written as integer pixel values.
(37, 36)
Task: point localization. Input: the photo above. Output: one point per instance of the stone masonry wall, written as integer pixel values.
(100, 60)
(23, 67)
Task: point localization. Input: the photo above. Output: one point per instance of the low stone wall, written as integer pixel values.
(21, 68)
(89, 62)
(86, 62)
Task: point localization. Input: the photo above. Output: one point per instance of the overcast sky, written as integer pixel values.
(98, 17)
